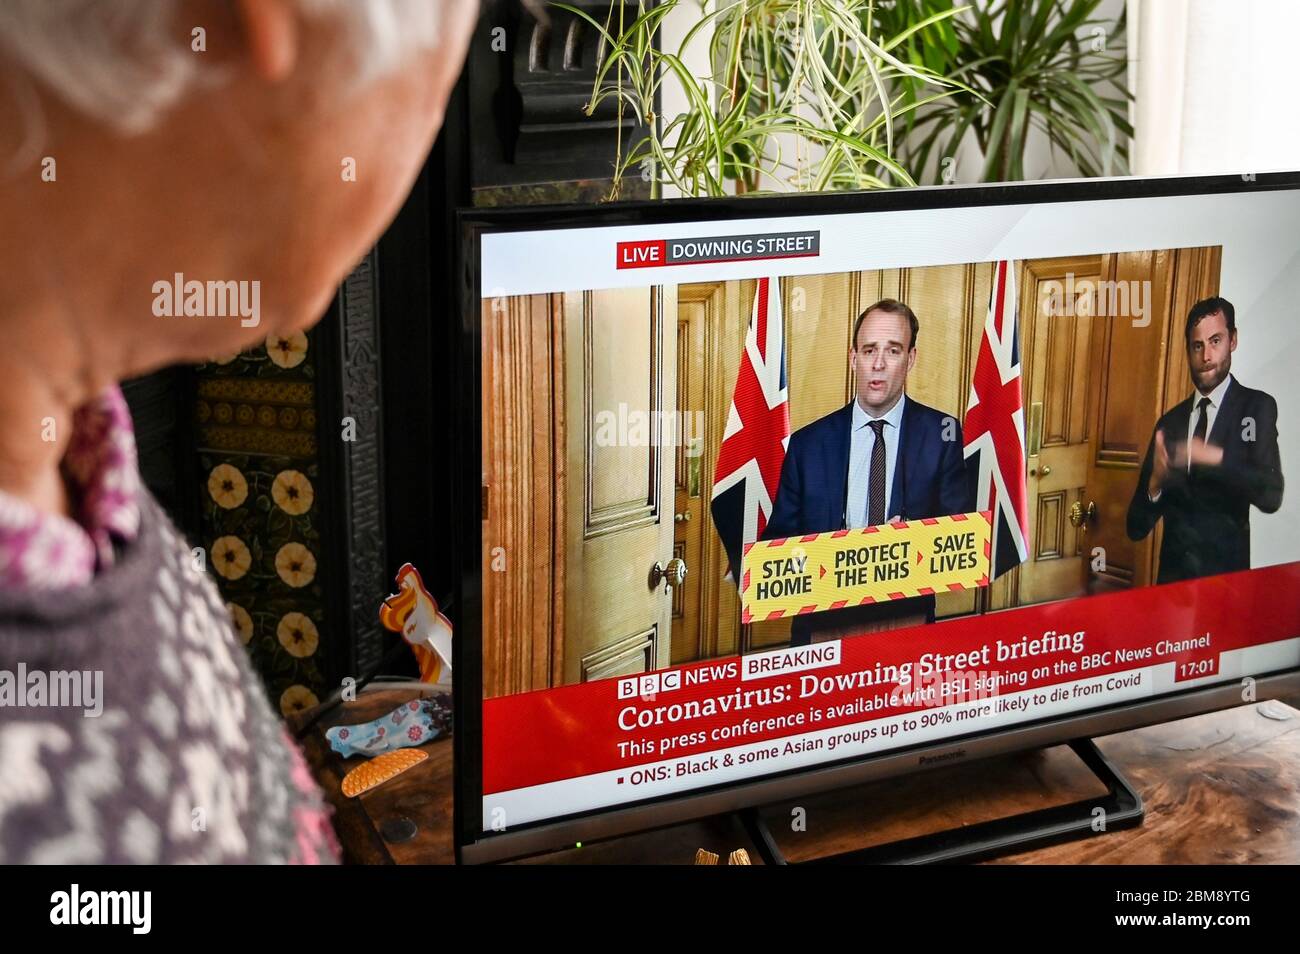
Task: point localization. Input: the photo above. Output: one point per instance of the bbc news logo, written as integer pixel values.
(658, 253)
(649, 685)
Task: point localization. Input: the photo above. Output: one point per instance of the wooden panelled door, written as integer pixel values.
(696, 310)
(620, 361)
(523, 428)
(1057, 299)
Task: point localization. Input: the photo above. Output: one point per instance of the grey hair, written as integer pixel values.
(126, 62)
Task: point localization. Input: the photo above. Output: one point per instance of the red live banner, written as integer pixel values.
(650, 254)
(574, 731)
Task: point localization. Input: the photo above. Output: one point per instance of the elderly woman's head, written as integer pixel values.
(150, 143)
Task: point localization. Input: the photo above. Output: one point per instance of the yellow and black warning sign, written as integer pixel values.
(892, 561)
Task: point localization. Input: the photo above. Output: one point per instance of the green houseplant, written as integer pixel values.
(853, 94)
(804, 94)
(1050, 65)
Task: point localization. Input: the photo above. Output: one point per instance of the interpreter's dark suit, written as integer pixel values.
(1207, 511)
(930, 480)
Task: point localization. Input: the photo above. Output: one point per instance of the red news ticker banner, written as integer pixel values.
(574, 731)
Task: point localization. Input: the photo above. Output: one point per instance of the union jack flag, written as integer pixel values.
(757, 432)
(994, 429)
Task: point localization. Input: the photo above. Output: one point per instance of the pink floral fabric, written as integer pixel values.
(316, 841)
(46, 551)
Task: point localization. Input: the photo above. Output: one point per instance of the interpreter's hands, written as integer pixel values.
(1203, 454)
(1196, 452)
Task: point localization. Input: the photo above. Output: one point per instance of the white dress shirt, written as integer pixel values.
(862, 440)
(1211, 411)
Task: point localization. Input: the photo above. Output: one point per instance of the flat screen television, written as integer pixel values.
(764, 496)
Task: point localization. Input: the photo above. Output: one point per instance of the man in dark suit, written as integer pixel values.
(1211, 457)
(882, 457)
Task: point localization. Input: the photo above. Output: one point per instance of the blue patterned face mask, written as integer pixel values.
(411, 723)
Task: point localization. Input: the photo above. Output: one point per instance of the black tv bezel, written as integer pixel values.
(472, 844)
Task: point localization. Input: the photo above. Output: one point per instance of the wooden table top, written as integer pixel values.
(1221, 788)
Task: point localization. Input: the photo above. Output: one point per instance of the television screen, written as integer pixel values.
(772, 485)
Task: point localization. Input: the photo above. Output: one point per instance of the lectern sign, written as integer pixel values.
(892, 561)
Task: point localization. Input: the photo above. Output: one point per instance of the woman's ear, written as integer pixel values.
(270, 30)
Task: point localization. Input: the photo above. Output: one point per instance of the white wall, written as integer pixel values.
(675, 27)
(1216, 86)
(1262, 280)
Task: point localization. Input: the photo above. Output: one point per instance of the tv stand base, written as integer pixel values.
(1120, 808)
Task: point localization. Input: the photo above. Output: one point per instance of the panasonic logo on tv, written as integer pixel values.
(103, 907)
(946, 757)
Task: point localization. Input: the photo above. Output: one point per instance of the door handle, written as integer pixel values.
(682, 517)
(674, 574)
(1043, 471)
(1079, 515)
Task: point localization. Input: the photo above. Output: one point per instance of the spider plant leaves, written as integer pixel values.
(801, 93)
(817, 94)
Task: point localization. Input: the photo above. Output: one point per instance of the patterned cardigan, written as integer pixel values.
(133, 728)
